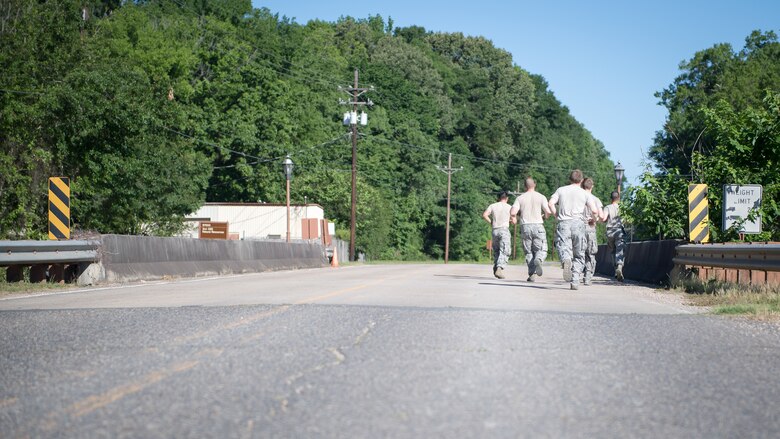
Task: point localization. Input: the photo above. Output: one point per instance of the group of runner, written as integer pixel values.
(577, 211)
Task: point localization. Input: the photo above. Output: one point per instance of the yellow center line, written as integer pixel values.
(232, 325)
(92, 403)
(336, 293)
(8, 402)
(95, 402)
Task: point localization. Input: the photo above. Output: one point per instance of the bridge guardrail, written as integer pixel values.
(751, 263)
(30, 252)
(752, 256)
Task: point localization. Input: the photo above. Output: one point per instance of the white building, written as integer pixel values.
(261, 220)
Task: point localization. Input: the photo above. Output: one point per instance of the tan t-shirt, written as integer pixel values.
(530, 205)
(500, 214)
(612, 212)
(572, 201)
(587, 214)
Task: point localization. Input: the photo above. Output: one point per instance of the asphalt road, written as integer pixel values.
(382, 351)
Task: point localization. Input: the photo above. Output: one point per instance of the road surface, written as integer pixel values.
(382, 351)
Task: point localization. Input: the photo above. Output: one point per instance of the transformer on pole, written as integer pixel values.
(352, 118)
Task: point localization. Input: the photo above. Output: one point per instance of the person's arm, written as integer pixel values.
(513, 211)
(553, 201)
(604, 214)
(486, 216)
(546, 208)
(593, 208)
(600, 208)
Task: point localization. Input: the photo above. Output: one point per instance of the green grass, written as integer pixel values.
(8, 288)
(757, 302)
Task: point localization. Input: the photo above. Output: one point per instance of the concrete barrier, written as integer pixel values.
(134, 258)
(645, 261)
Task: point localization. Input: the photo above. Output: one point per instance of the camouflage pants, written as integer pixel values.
(591, 248)
(534, 244)
(570, 239)
(502, 247)
(615, 245)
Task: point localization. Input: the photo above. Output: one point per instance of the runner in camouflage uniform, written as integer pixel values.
(591, 245)
(502, 240)
(530, 205)
(572, 200)
(615, 233)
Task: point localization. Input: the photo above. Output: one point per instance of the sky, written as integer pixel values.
(604, 60)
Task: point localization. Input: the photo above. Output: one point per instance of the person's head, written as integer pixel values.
(503, 196)
(587, 184)
(615, 196)
(529, 183)
(575, 177)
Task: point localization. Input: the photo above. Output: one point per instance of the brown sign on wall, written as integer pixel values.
(310, 228)
(213, 230)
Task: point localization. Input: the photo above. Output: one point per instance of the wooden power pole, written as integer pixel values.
(449, 171)
(352, 119)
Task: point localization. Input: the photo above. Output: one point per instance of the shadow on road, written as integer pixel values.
(522, 285)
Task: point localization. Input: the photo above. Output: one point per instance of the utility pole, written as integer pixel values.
(514, 241)
(449, 171)
(351, 118)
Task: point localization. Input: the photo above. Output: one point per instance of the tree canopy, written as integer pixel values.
(153, 107)
(722, 128)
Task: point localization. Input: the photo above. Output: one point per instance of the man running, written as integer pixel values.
(591, 246)
(572, 200)
(530, 205)
(615, 234)
(502, 240)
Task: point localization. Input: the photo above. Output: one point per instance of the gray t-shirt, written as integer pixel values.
(499, 212)
(530, 205)
(572, 201)
(612, 212)
(587, 214)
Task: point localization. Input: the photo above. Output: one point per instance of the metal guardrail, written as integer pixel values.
(47, 252)
(753, 256)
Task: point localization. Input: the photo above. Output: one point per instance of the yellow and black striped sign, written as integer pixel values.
(59, 208)
(698, 213)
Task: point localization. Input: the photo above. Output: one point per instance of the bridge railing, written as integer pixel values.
(47, 252)
(755, 263)
(52, 260)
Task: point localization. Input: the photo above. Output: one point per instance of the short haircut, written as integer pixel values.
(575, 176)
(615, 195)
(503, 194)
(587, 184)
(530, 183)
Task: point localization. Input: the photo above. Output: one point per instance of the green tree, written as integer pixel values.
(746, 151)
(714, 74)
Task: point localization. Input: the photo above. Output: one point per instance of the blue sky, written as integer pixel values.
(604, 60)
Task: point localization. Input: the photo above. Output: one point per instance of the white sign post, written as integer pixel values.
(738, 201)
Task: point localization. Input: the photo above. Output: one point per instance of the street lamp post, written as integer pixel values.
(288, 170)
(619, 170)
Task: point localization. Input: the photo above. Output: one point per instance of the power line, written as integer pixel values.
(311, 76)
(473, 158)
(232, 151)
(21, 92)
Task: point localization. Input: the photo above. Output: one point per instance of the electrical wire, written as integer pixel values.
(311, 75)
(470, 158)
(21, 92)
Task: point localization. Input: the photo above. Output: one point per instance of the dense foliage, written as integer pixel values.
(152, 107)
(723, 127)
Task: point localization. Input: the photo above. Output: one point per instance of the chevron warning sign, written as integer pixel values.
(698, 213)
(59, 208)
